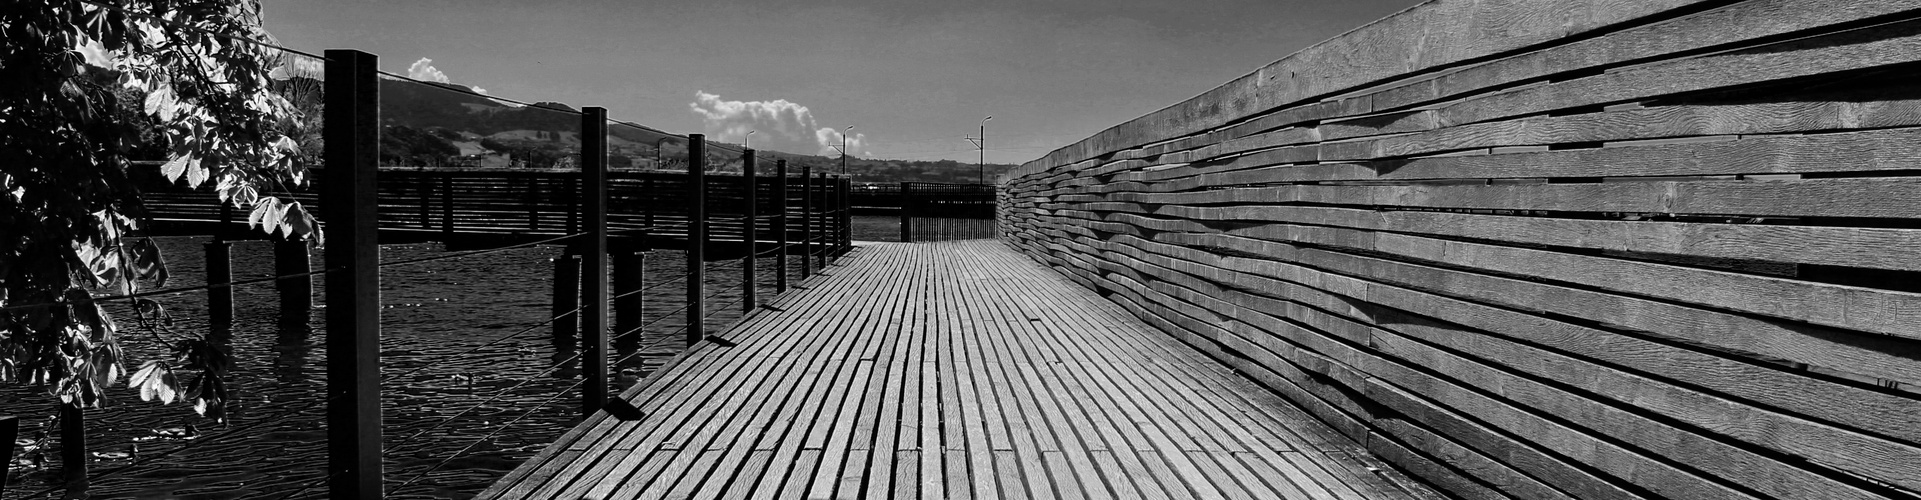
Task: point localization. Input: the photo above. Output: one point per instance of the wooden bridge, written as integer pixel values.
(950, 370)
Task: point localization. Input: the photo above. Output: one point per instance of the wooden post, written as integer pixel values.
(825, 230)
(351, 211)
(425, 183)
(806, 221)
(906, 214)
(219, 274)
(647, 192)
(846, 215)
(291, 257)
(572, 194)
(566, 298)
(593, 268)
(447, 205)
(73, 448)
(749, 237)
(696, 236)
(780, 226)
(9, 431)
(533, 203)
(630, 275)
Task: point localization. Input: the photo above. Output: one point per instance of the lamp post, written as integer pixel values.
(983, 162)
(748, 142)
(843, 149)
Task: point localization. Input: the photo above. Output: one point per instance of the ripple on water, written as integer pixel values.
(275, 442)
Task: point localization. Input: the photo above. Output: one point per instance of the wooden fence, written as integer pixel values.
(1544, 249)
(474, 203)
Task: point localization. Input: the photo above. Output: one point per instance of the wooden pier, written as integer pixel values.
(950, 370)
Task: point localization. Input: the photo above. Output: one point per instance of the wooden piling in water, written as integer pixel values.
(350, 209)
(593, 251)
(73, 447)
(806, 221)
(696, 236)
(219, 274)
(780, 226)
(906, 214)
(291, 258)
(748, 236)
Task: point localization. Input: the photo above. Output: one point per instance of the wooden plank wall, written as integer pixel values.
(1544, 249)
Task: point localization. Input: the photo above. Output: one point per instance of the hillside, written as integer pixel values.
(447, 125)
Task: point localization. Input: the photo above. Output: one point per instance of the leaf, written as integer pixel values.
(174, 168)
(148, 263)
(161, 103)
(196, 173)
(258, 216)
(297, 221)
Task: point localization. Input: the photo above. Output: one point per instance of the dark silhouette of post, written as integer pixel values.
(593, 252)
(806, 221)
(906, 213)
(823, 221)
(566, 297)
(630, 276)
(780, 226)
(290, 258)
(696, 236)
(350, 209)
(219, 274)
(73, 446)
(750, 238)
(447, 205)
(846, 215)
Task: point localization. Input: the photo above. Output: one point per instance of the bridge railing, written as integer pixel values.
(1544, 249)
(607, 224)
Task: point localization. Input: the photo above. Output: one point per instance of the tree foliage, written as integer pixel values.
(84, 85)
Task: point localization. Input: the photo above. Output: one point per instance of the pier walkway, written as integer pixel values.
(949, 370)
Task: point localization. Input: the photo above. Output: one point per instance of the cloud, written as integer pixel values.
(424, 70)
(778, 125)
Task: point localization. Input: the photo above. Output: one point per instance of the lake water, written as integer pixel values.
(436, 318)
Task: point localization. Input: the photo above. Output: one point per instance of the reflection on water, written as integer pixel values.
(438, 320)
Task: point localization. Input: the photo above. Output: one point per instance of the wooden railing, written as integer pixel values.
(475, 204)
(1556, 249)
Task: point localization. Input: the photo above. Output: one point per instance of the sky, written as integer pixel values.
(912, 77)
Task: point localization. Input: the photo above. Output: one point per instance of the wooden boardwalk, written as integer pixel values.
(950, 370)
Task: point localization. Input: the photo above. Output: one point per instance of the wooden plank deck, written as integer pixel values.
(950, 370)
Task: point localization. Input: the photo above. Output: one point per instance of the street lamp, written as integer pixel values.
(748, 142)
(981, 143)
(843, 149)
(983, 162)
(657, 164)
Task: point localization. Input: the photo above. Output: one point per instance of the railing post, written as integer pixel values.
(780, 226)
(219, 274)
(349, 207)
(846, 215)
(73, 447)
(447, 204)
(806, 221)
(291, 257)
(593, 273)
(426, 187)
(749, 237)
(906, 214)
(566, 298)
(696, 237)
(824, 229)
(630, 275)
(533, 203)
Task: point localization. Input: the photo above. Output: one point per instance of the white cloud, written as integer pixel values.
(777, 125)
(424, 70)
